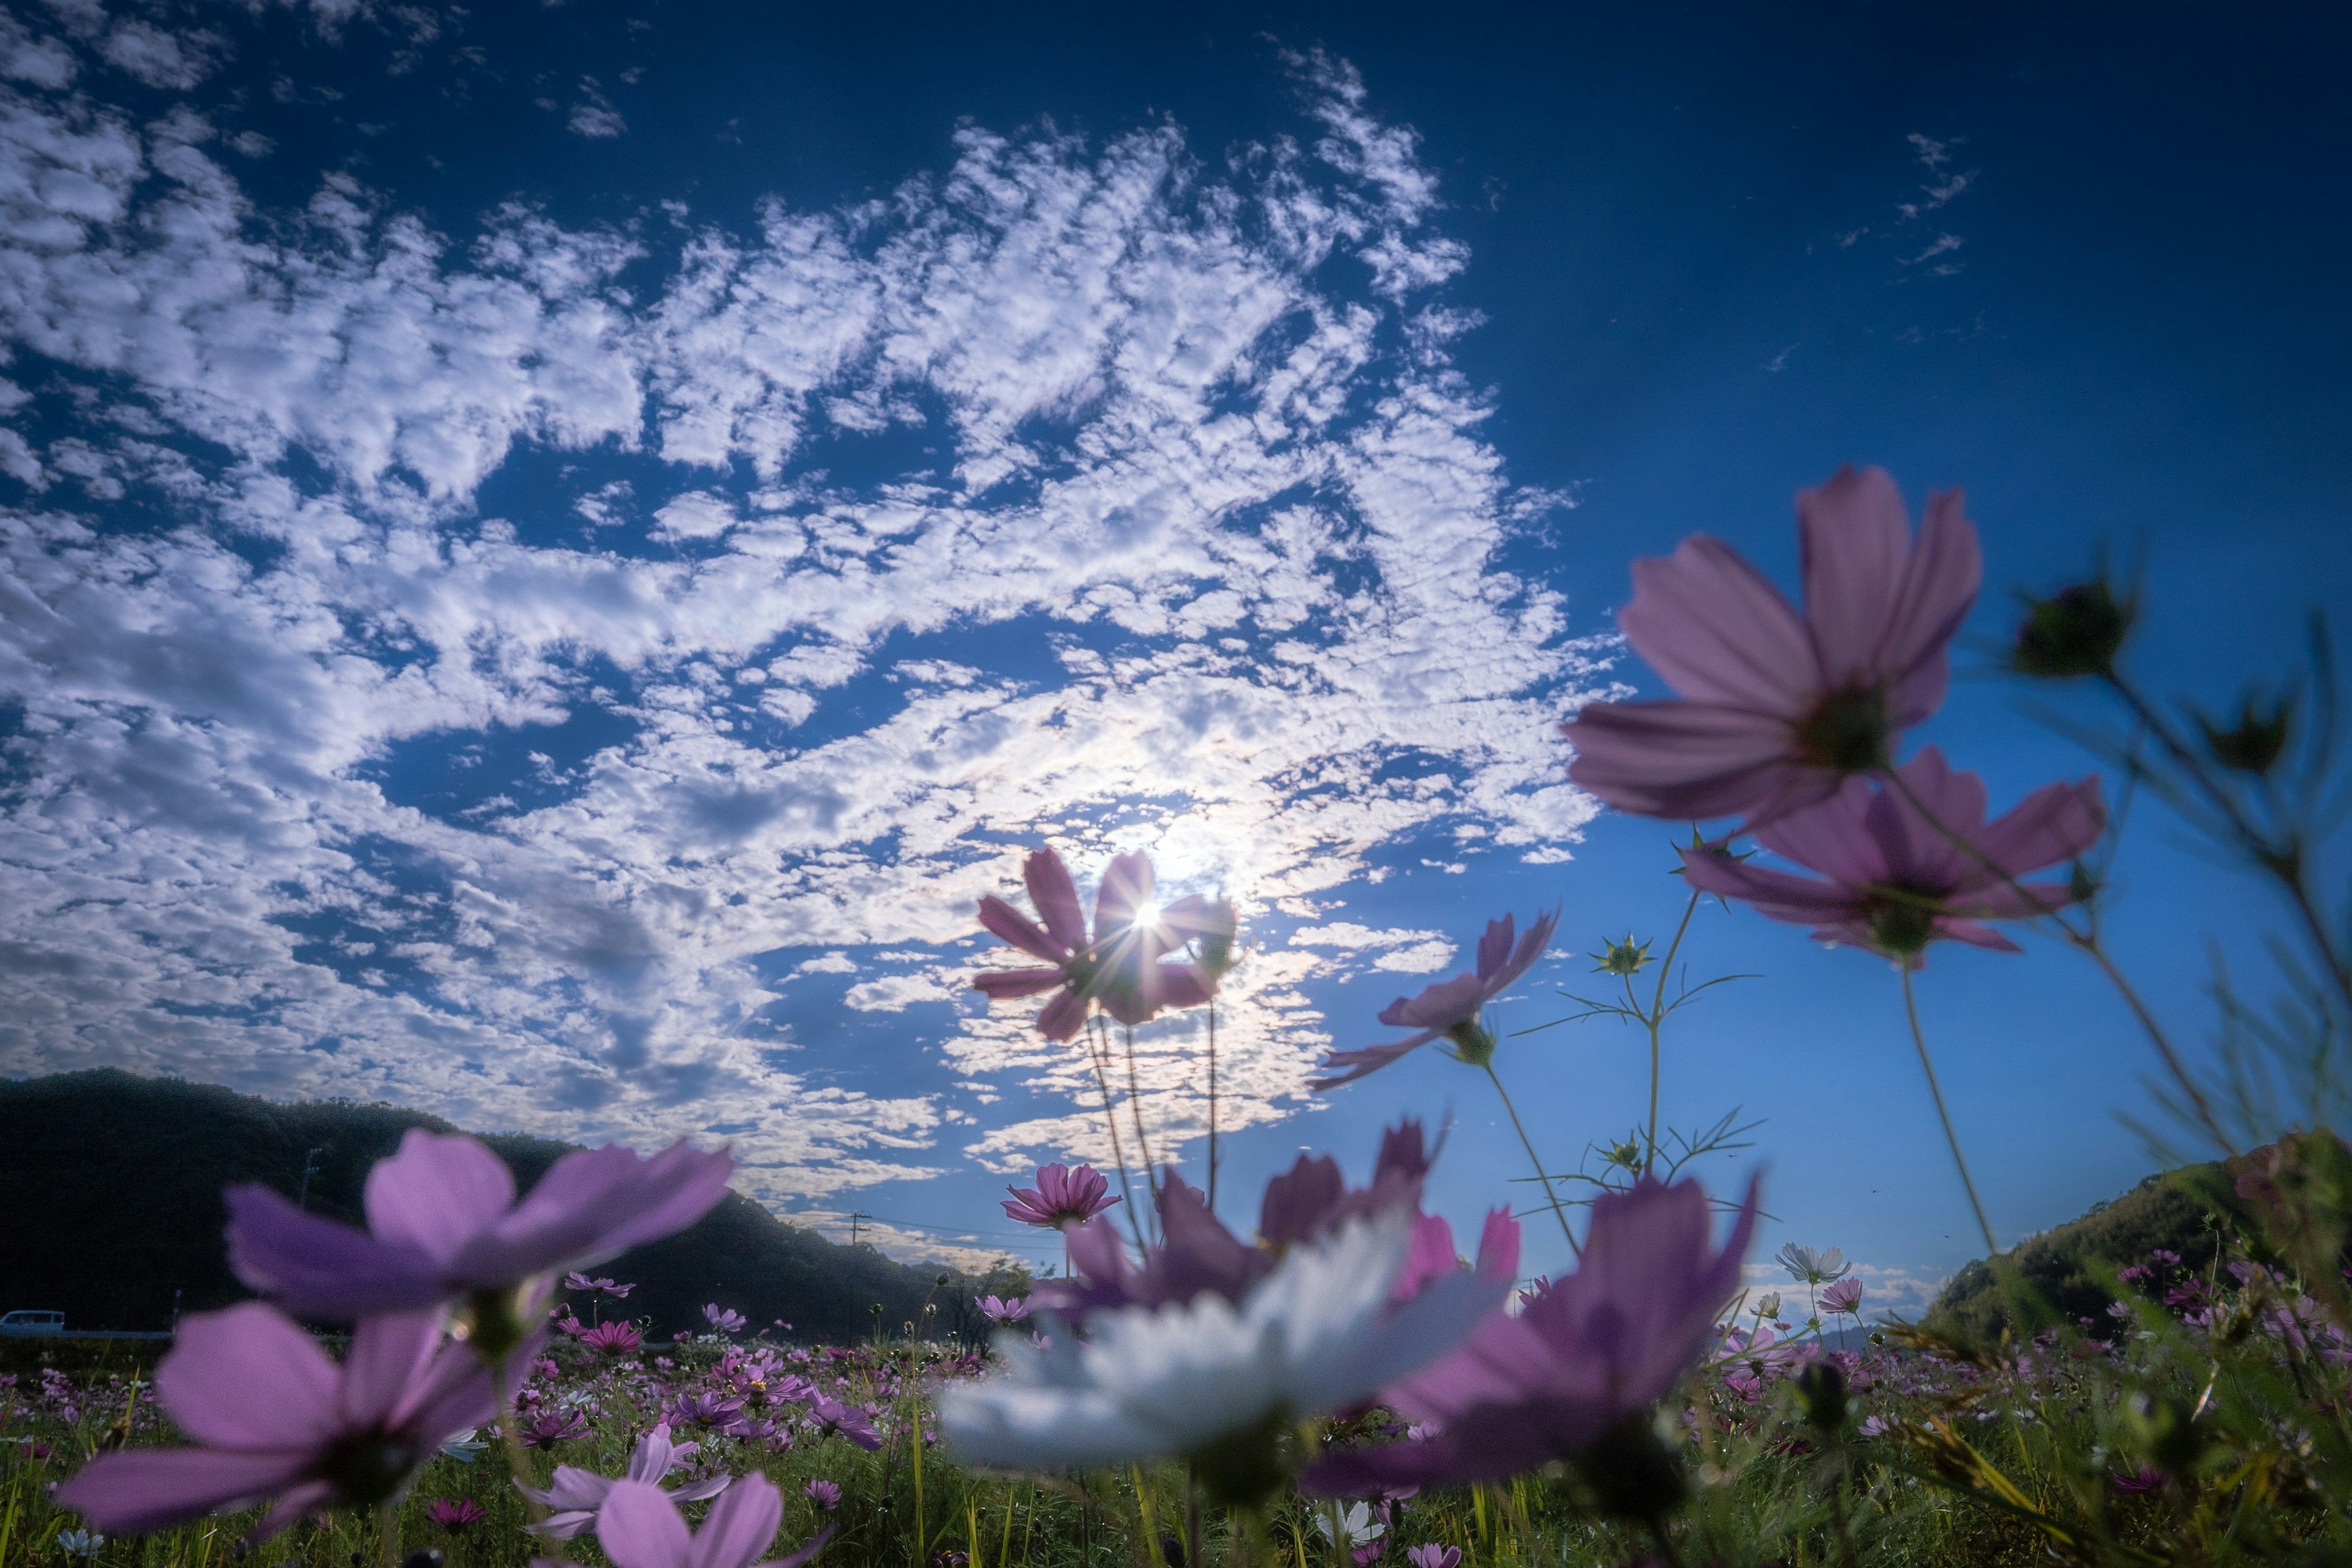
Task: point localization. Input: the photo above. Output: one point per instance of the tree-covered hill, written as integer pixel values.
(112, 1206)
(2167, 1211)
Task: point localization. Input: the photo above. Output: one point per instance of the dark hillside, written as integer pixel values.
(2165, 1211)
(113, 1203)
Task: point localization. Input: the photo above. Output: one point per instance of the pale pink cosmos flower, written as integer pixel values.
(456, 1516)
(1451, 1008)
(726, 1319)
(640, 1527)
(1434, 1556)
(1845, 1296)
(1774, 708)
(1124, 963)
(1065, 1195)
(998, 1311)
(1599, 1345)
(574, 1495)
(827, 1495)
(1895, 880)
(444, 1226)
(276, 1417)
(612, 1339)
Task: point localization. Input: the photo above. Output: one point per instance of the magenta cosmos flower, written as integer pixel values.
(1775, 708)
(1845, 1296)
(1894, 881)
(277, 1418)
(640, 1527)
(612, 1339)
(443, 1225)
(1124, 965)
(456, 1516)
(1309, 1203)
(574, 1495)
(1604, 1344)
(1450, 1007)
(1065, 1195)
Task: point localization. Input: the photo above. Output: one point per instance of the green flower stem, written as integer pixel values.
(1918, 1038)
(510, 1435)
(2085, 941)
(1135, 1111)
(2287, 868)
(1212, 1105)
(1096, 1052)
(1525, 1142)
(1655, 1018)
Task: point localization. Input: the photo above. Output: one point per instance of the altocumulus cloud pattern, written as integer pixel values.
(548, 678)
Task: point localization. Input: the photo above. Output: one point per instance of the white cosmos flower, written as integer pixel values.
(1315, 1335)
(1358, 1523)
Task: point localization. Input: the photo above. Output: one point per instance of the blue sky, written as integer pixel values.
(551, 553)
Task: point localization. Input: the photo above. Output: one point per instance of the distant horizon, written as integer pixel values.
(549, 569)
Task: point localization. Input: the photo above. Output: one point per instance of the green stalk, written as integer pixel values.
(1655, 1018)
(1918, 1038)
(1096, 1054)
(1557, 1213)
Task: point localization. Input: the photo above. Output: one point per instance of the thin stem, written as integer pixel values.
(1095, 1054)
(1525, 1142)
(1212, 1105)
(387, 1535)
(1135, 1111)
(2084, 940)
(1918, 1038)
(1655, 1018)
(2258, 844)
(510, 1432)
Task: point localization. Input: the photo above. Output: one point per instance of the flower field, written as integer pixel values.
(1340, 1380)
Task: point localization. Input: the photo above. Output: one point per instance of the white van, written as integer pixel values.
(23, 1324)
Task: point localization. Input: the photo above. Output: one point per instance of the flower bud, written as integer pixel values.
(2255, 743)
(1823, 1388)
(1633, 1475)
(1627, 958)
(2078, 630)
(2164, 1431)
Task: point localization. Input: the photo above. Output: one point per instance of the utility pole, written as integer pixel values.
(854, 1218)
(310, 1169)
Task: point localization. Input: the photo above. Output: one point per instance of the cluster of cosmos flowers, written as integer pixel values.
(1199, 1344)
(447, 1291)
(1785, 720)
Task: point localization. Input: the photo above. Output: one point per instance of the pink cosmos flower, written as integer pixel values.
(1894, 881)
(1450, 1007)
(574, 1495)
(1065, 1195)
(276, 1417)
(1196, 1253)
(827, 1495)
(612, 1339)
(456, 1516)
(1776, 708)
(640, 1527)
(1123, 965)
(555, 1427)
(443, 1224)
(831, 1417)
(1845, 1296)
(576, 1280)
(726, 1319)
(998, 1311)
(1604, 1343)
(1434, 1556)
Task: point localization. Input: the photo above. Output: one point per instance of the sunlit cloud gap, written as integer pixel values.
(1094, 495)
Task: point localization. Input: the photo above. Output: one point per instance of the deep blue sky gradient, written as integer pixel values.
(2142, 351)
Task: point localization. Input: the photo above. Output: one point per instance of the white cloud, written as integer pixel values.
(333, 785)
